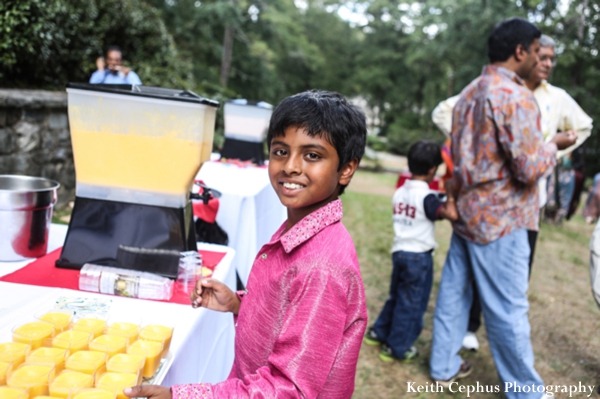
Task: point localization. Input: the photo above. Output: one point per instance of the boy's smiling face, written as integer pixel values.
(304, 172)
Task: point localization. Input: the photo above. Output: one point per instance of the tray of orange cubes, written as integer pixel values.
(58, 354)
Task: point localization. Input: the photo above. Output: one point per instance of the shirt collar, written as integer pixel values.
(417, 183)
(499, 70)
(311, 225)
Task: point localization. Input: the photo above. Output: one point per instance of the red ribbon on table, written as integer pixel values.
(42, 272)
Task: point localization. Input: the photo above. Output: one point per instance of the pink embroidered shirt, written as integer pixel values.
(300, 327)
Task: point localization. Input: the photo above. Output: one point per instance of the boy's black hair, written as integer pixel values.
(325, 114)
(507, 35)
(422, 156)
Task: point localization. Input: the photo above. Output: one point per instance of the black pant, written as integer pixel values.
(475, 312)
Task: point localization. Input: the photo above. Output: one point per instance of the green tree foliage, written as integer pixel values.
(278, 49)
(47, 43)
(403, 56)
(197, 28)
(419, 53)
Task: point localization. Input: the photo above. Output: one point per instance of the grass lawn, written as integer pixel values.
(565, 321)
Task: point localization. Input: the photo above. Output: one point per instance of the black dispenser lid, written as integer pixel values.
(147, 91)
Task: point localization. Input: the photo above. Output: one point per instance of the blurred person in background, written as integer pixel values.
(595, 264)
(591, 211)
(559, 113)
(416, 208)
(499, 155)
(112, 71)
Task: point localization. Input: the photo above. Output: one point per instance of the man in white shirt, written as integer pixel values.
(559, 113)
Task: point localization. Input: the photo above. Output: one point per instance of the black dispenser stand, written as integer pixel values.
(131, 236)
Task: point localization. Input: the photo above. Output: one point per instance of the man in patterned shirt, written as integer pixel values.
(499, 154)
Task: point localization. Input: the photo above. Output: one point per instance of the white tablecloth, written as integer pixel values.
(202, 344)
(249, 209)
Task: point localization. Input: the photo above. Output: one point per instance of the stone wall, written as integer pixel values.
(35, 139)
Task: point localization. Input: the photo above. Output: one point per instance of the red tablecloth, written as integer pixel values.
(42, 272)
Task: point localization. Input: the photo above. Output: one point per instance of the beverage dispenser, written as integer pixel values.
(137, 150)
(246, 125)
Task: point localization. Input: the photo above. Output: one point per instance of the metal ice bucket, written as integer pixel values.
(25, 214)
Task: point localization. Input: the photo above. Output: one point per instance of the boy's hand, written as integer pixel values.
(449, 187)
(449, 210)
(213, 294)
(148, 391)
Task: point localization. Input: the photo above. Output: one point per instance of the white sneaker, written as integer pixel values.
(589, 220)
(470, 342)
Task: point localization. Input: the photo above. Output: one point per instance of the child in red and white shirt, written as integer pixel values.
(416, 208)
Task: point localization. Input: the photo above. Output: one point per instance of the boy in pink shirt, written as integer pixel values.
(301, 322)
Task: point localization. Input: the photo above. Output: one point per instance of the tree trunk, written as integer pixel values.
(227, 50)
(581, 26)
